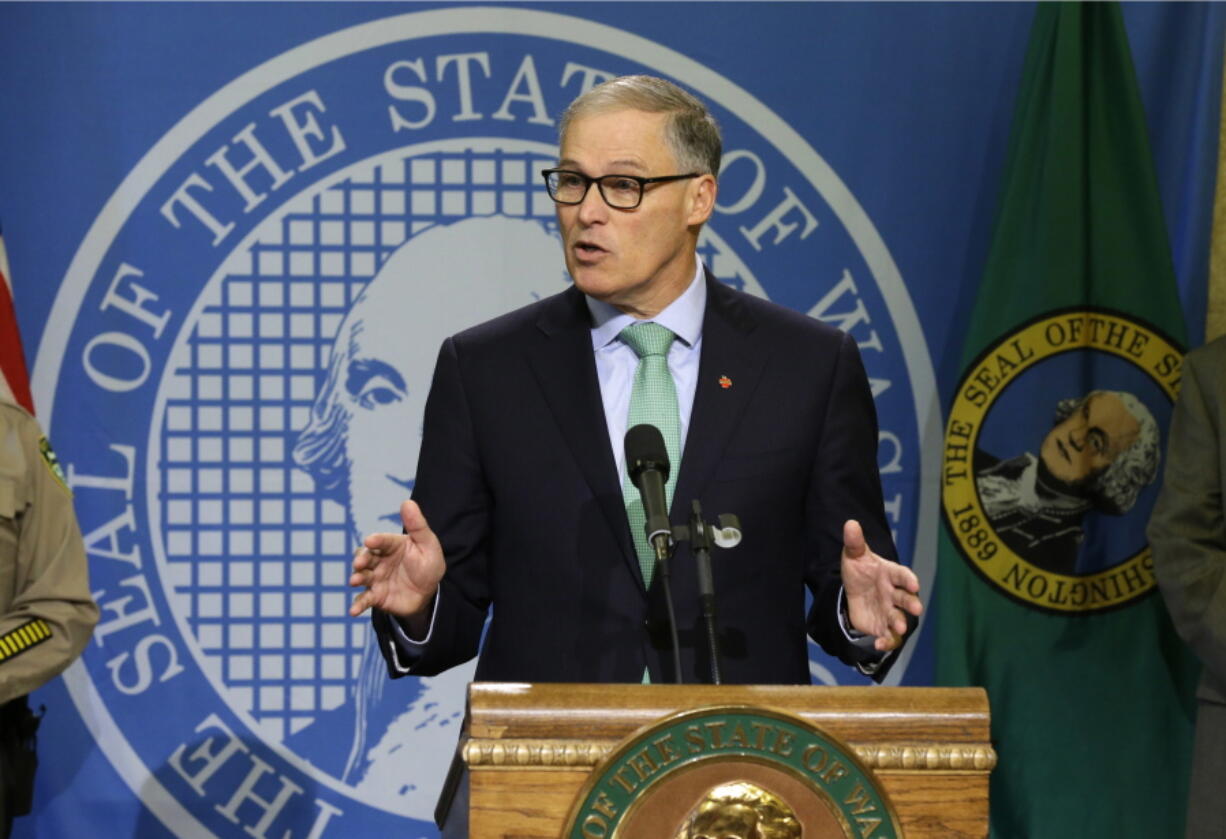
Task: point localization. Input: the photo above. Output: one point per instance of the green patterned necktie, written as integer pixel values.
(653, 400)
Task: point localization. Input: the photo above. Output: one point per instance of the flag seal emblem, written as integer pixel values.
(1038, 469)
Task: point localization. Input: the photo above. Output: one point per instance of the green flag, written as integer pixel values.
(1046, 593)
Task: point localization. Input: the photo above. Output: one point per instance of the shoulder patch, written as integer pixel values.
(53, 463)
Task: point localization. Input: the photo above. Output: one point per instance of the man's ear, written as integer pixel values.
(702, 199)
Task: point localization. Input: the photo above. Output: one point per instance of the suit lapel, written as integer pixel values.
(728, 374)
(565, 368)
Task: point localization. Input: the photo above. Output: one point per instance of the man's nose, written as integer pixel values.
(593, 209)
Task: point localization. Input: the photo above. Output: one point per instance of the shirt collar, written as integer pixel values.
(683, 316)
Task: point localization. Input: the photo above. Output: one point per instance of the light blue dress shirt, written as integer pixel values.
(616, 361)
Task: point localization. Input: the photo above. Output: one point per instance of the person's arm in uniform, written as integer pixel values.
(1187, 529)
(46, 612)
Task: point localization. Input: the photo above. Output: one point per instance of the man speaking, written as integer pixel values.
(522, 502)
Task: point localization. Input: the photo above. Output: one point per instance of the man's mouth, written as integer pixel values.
(588, 250)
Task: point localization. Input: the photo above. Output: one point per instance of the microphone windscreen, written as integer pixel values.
(645, 449)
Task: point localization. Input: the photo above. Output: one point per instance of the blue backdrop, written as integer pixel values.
(194, 195)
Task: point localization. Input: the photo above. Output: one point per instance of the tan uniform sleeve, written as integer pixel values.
(46, 612)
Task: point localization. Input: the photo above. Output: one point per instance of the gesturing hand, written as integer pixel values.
(398, 572)
(880, 593)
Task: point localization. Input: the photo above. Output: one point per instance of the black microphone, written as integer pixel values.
(647, 465)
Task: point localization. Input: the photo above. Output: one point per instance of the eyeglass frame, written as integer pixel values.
(588, 181)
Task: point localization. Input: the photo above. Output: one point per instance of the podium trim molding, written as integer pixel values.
(531, 753)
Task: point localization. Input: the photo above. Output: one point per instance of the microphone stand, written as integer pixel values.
(700, 544)
(664, 550)
(660, 536)
(702, 537)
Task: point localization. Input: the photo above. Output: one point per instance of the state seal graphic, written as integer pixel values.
(1044, 479)
(733, 772)
(238, 361)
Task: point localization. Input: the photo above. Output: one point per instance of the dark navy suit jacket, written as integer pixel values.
(517, 478)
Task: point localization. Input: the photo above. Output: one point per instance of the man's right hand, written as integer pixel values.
(399, 572)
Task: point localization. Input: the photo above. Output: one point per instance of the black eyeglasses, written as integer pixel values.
(621, 192)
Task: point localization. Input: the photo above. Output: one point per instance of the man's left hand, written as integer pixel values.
(880, 593)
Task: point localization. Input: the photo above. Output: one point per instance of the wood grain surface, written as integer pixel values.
(531, 748)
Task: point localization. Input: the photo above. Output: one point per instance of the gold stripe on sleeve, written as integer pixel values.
(16, 641)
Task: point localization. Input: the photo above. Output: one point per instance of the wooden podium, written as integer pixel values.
(530, 753)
